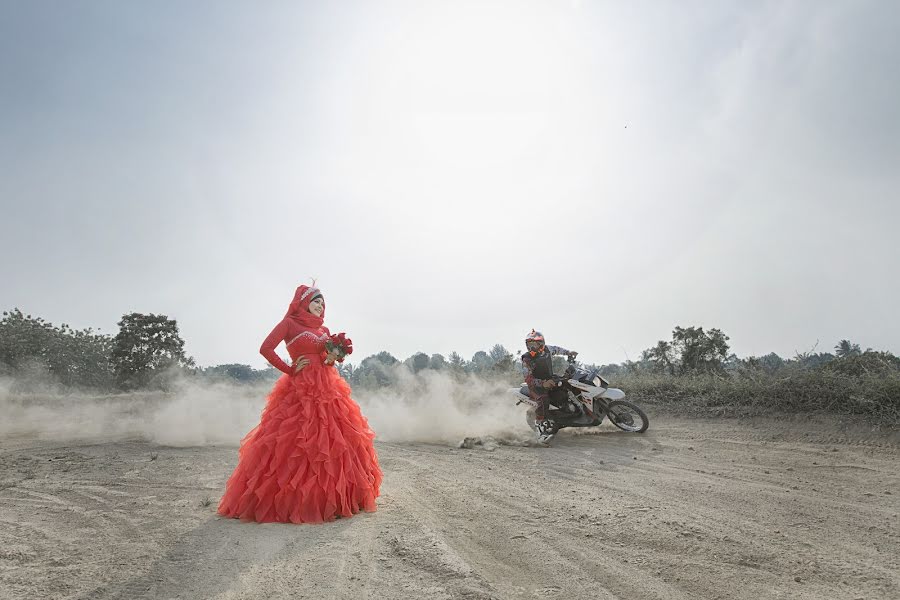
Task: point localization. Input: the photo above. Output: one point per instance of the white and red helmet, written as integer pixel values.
(534, 342)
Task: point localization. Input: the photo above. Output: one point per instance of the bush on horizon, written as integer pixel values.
(694, 369)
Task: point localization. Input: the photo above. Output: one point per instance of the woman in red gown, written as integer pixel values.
(311, 458)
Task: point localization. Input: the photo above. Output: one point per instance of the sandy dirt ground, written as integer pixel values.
(691, 509)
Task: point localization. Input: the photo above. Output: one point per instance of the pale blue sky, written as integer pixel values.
(456, 173)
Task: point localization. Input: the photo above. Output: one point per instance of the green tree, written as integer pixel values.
(386, 358)
(770, 363)
(846, 348)
(146, 349)
(438, 362)
(480, 362)
(417, 362)
(612, 371)
(23, 338)
(82, 359)
(240, 373)
(501, 357)
(346, 371)
(376, 370)
(76, 358)
(811, 359)
(366, 379)
(457, 363)
(698, 350)
(661, 357)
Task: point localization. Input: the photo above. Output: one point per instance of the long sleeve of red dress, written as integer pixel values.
(270, 343)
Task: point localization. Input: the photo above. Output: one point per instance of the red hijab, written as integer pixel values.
(298, 311)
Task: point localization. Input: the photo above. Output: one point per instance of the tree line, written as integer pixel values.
(148, 352)
(144, 354)
(693, 351)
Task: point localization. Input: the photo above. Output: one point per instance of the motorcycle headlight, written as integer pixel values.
(597, 381)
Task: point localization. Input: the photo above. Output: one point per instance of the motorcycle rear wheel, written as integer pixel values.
(627, 416)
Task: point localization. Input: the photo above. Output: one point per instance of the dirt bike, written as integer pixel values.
(588, 400)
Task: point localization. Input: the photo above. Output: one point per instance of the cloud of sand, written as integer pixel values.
(435, 406)
(429, 406)
(194, 414)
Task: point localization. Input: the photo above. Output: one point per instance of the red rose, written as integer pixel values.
(339, 345)
(344, 342)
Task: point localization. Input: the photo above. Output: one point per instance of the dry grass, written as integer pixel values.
(873, 395)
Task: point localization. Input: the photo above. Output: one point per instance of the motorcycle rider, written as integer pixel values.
(537, 365)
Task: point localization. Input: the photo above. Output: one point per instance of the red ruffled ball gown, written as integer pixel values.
(311, 458)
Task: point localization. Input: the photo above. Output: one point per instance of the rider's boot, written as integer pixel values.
(545, 430)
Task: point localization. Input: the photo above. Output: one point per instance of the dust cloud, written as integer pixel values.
(192, 414)
(435, 406)
(429, 406)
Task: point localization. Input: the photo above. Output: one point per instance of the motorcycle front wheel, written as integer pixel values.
(627, 416)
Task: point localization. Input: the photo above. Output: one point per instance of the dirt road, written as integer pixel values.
(691, 509)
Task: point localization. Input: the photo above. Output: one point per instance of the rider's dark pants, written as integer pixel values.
(545, 398)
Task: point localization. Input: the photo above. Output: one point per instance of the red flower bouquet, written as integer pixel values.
(339, 346)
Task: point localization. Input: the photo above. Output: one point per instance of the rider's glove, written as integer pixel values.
(573, 354)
